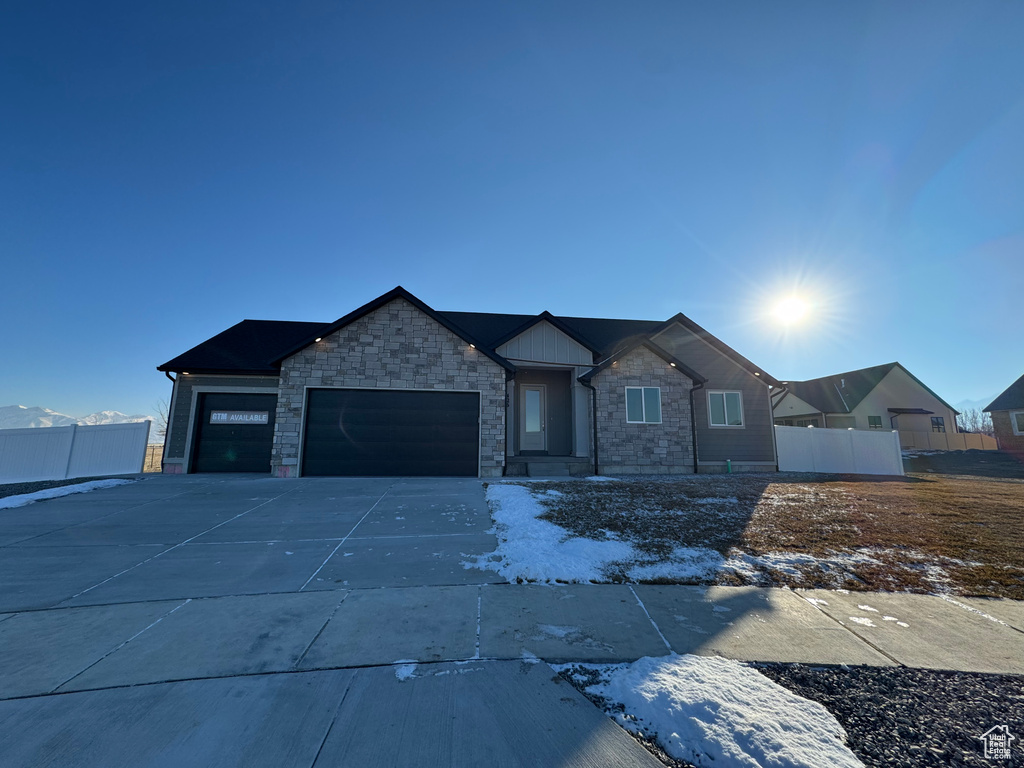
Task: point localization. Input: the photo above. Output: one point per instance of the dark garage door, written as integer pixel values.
(391, 433)
(234, 433)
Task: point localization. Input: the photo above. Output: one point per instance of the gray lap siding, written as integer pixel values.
(626, 449)
(755, 441)
(393, 347)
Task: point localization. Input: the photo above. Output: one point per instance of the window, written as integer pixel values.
(1017, 421)
(874, 422)
(725, 409)
(938, 424)
(643, 405)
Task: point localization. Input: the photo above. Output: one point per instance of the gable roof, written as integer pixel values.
(1011, 397)
(718, 345)
(603, 336)
(676, 363)
(396, 293)
(843, 392)
(600, 335)
(259, 346)
(555, 322)
(247, 347)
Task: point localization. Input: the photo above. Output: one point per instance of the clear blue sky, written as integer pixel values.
(170, 168)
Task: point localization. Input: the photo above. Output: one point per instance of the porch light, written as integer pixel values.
(318, 338)
(184, 373)
(757, 374)
(472, 346)
(673, 365)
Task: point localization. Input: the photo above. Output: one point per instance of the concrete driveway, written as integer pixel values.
(227, 620)
(248, 621)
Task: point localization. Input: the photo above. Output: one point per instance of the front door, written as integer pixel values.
(532, 409)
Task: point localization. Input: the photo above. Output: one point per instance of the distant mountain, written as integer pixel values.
(967, 405)
(22, 417)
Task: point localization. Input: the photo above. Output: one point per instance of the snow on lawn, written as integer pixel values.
(685, 564)
(9, 502)
(536, 550)
(716, 712)
(530, 549)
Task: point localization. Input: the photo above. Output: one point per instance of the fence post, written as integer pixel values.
(71, 450)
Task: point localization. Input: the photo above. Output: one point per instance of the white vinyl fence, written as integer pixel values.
(56, 453)
(859, 452)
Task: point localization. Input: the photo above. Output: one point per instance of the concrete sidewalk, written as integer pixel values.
(105, 646)
(422, 675)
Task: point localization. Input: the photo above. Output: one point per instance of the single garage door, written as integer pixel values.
(234, 432)
(371, 432)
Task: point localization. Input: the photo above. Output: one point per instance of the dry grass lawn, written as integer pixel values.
(920, 533)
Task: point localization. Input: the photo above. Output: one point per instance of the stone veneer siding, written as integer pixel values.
(1003, 427)
(643, 449)
(393, 347)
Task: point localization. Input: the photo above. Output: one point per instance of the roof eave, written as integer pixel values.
(672, 360)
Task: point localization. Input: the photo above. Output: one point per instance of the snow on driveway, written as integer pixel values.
(717, 712)
(10, 502)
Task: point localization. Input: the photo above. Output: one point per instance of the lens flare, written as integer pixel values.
(790, 310)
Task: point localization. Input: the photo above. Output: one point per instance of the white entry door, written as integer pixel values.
(532, 407)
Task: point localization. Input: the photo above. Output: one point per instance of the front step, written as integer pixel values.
(547, 466)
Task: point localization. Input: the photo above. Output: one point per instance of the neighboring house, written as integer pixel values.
(398, 388)
(882, 397)
(1008, 418)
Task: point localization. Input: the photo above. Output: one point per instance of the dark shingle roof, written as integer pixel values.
(248, 347)
(1012, 397)
(843, 392)
(258, 346)
(600, 334)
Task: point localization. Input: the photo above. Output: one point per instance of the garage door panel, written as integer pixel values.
(233, 447)
(391, 433)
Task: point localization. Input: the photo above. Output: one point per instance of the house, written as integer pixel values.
(881, 397)
(1008, 418)
(398, 388)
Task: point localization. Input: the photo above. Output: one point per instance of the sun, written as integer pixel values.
(791, 310)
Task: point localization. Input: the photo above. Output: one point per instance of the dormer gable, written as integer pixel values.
(542, 342)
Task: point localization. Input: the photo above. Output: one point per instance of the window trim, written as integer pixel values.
(723, 393)
(1013, 422)
(643, 406)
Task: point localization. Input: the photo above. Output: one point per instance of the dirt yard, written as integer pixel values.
(931, 533)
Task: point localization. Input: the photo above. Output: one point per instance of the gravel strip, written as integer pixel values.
(16, 489)
(893, 716)
(896, 716)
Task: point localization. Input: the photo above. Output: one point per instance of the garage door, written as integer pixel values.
(366, 432)
(234, 432)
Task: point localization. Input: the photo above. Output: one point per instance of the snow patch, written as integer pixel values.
(405, 669)
(685, 564)
(863, 621)
(10, 502)
(536, 550)
(717, 712)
